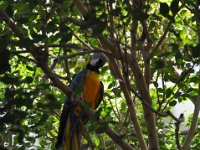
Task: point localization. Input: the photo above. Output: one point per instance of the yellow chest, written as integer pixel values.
(91, 89)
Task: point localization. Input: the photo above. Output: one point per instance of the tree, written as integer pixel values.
(152, 49)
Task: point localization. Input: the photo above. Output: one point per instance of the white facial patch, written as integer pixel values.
(93, 62)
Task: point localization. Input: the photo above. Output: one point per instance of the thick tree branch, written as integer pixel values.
(145, 53)
(144, 93)
(131, 107)
(191, 132)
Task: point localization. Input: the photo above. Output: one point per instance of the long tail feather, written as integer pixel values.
(70, 142)
(67, 135)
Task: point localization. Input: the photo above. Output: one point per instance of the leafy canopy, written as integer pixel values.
(43, 41)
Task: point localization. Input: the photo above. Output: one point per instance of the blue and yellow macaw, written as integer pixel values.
(86, 84)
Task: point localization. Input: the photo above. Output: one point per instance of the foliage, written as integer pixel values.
(41, 41)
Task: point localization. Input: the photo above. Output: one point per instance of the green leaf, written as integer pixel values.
(159, 64)
(175, 33)
(116, 12)
(140, 16)
(4, 61)
(168, 92)
(59, 1)
(9, 79)
(30, 68)
(9, 10)
(95, 2)
(174, 6)
(196, 51)
(175, 47)
(100, 130)
(177, 94)
(99, 28)
(28, 79)
(193, 93)
(44, 86)
(25, 43)
(23, 20)
(182, 35)
(173, 103)
(3, 42)
(164, 9)
(21, 137)
(67, 37)
(178, 57)
(155, 84)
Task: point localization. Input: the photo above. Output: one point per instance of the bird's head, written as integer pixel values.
(96, 61)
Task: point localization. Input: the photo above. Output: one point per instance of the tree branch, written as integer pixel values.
(144, 93)
(117, 139)
(11, 23)
(161, 39)
(131, 107)
(145, 54)
(191, 132)
(177, 126)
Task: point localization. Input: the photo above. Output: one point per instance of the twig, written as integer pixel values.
(86, 52)
(18, 52)
(163, 114)
(164, 34)
(181, 78)
(161, 39)
(187, 23)
(183, 2)
(177, 126)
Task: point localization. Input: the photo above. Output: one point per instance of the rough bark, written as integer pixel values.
(144, 93)
(193, 126)
(130, 105)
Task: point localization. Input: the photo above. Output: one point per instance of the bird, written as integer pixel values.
(87, 85)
